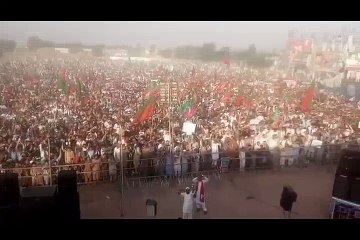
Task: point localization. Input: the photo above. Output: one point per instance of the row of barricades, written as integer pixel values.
(156, 170)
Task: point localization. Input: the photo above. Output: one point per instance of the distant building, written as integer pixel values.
(62, 50)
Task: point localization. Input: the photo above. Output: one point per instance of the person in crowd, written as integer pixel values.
(35, 111)
(96, 161)
(200, 192)
(87, 170)
(188, 204)
(112, 170)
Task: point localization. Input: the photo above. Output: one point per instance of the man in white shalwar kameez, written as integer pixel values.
(200, 192)
(188, 204)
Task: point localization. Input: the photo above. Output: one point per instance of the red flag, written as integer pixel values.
(239, 100)
(227, 97)
(309, 95)
(226, 61)
(191, 112)
(146, 113)
(220, 88)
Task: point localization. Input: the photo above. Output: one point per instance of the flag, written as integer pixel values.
(309, 95)
(146, 111)
(226, 61)
(239, 100)
(80, 88)
(227, 97)
(190, 113)
(62, 83)
(187, 109)
(220, 88)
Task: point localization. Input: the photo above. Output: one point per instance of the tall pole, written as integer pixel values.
(49, 152)
(169, 96)
(122, 172)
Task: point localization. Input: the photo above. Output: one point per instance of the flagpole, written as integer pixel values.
(122, 172)
(170, 133)
(49, 162)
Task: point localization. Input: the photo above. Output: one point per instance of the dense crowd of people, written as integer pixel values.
(238, 111)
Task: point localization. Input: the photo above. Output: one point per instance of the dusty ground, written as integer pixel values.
(236, 195)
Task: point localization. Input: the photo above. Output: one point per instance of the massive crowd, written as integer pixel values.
(237, 110)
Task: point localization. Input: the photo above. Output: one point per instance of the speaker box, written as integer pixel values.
(67, 183)
(341, 188)
(355, 191)
(9, 189)
(69, 206)
(39, 203)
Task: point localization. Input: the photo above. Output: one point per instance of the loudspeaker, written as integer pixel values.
(69, 207)
(341, 188)
(355, 191)
(9, 189)
(68, 196)
(39, 203)
(67, 182)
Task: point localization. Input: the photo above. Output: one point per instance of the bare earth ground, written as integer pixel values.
(236, 195)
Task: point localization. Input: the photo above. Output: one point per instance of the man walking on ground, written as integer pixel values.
(200, 192)
(188, 204)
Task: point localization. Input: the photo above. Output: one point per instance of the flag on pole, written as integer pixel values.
(187, 108)
(306, 103)
(80, 88)
(226, 98)
(146, 111)
(62, 82)
(239, 100)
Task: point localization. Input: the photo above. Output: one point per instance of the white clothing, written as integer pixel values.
(117, 154)
(200, 204)
(188, 204)
(215, 151)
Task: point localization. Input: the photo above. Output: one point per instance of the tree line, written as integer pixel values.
(207, 52)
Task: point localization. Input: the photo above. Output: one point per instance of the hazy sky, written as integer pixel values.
(265, 35)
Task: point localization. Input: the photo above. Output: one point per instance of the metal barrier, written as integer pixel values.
(156, 171)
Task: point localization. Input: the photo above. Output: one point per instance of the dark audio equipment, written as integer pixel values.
(341, 188)
(67, 182)
(9, 189)
(47, 202)
(68, 196)
(39, 203)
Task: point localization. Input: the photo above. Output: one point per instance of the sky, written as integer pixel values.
(237, 35)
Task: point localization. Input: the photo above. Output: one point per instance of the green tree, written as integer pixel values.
(7, 45)
(34, 43)
(166, 53)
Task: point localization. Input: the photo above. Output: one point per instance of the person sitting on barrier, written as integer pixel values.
(87, 170)
(112, 170)
(136, 158)
(39, 174)
(46, 173)
(33, 173)
(96, 168)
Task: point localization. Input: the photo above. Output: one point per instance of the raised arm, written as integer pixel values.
(205, 179)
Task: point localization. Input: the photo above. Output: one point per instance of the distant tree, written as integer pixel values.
(152, 49)
(97, 51)
(207, 52)
(166, 53)
(252, 50)
(34, 43)
(7, 45)
(75, 47)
